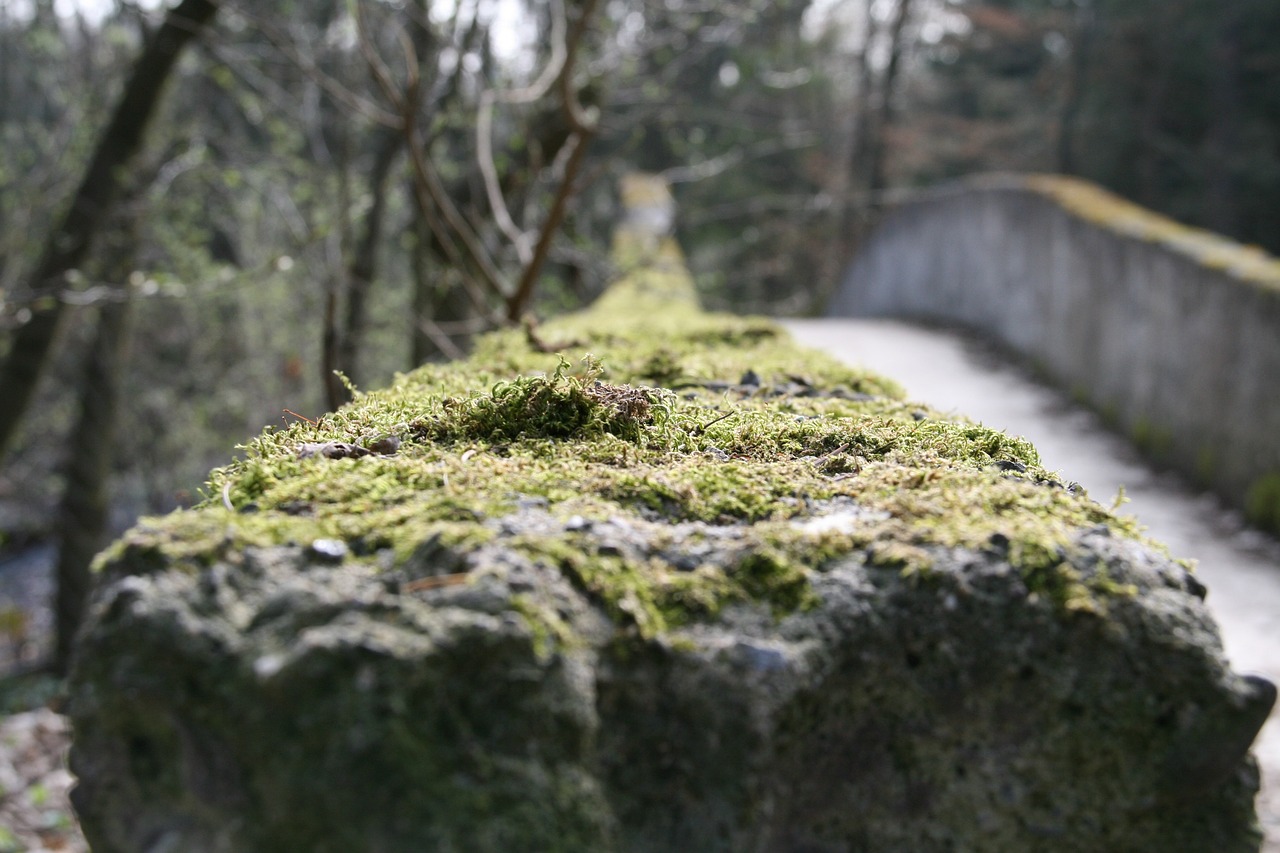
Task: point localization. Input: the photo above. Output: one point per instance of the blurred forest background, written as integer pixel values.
(366, 184)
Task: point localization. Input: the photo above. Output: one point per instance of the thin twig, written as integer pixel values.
(431, 194)
(435, 582)
(333, 87)
(438, 337)
(381, 73)
(535, 340)
(713, 421)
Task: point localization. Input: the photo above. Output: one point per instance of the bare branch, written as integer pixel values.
(438, 337)
(334, 88)
(431, 193)
(579, 120)
(584, 128)
(484, 131)
(381, 73)
(713, 166)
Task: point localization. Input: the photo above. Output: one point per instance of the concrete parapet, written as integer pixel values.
(652, 579)
(1171, 332)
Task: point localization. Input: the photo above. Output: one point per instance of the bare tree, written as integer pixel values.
(83, 513)
(459, 238)
(68, 245)
(883, 116)
(344, 332)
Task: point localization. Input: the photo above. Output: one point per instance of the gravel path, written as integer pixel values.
(1240, 567)
(35, 815)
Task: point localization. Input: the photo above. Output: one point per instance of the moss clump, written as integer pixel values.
(776, 577)
(748, 441)
(558, 406)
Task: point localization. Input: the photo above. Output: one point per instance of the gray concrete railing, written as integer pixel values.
(1171, 332)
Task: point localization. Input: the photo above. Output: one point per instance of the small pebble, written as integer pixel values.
(329, 550)
(386, 445)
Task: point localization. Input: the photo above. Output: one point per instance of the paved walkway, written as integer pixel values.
(1241, 568)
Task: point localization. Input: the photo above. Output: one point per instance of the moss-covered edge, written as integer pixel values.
(1090, 202)
(645, 408)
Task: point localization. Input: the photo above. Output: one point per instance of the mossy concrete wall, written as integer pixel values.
(1171, 332)
(649, 579)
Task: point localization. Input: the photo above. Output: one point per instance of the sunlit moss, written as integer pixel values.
(652, 411)
(1210, 250)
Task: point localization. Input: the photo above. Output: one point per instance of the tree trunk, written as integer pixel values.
(1221, 202)
(84, 511)
(1150, 190)
(861, 138)
(345, 330)
(876, 179)
(1082, 44)
(440, 300)
(348, 338)
(69, 243)
(421, 347)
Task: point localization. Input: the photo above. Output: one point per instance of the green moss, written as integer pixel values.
(1153, 440)
(550, 631)
(1262, 503)
(775, 577)
(749, 436)
(558, 406)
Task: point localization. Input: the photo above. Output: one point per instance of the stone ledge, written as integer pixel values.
(675, 586)
(1171, 333)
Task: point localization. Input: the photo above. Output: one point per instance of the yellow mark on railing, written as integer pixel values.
(1094, 204)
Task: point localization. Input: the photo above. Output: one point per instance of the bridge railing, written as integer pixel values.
(1172, 333)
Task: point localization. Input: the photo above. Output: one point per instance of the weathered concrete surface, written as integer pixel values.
(270, 702)
(1173, 334)
(1240, 567)
(769, 606)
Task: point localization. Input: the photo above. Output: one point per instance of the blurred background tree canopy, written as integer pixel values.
(363, 185)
